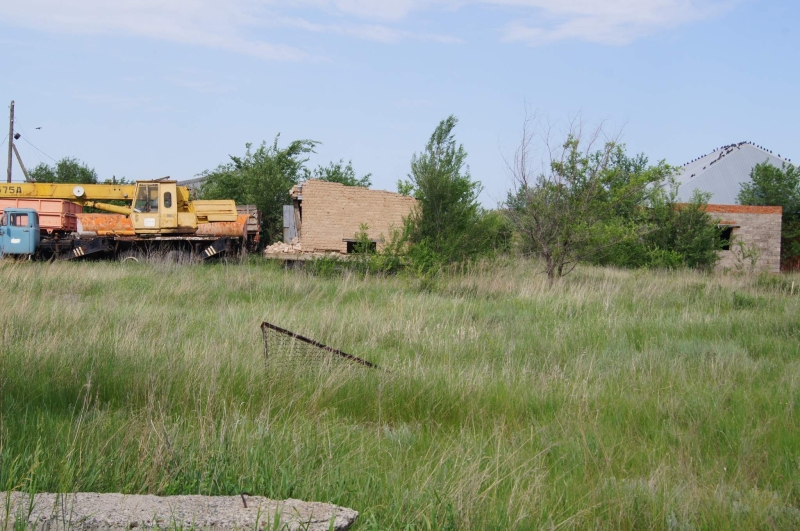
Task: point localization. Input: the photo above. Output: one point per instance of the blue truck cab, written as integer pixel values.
(19, 231)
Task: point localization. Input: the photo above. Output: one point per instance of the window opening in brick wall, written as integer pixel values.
(726, 236)
(356, 246)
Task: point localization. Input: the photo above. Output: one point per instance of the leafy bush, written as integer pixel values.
(675, 236)
(448, 225)
(339, 172)
(594, 203)
(584, 203)
(263, 178)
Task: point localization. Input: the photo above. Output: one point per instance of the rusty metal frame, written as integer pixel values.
(269, 326)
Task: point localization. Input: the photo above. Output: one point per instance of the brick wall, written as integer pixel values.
(332, 212)
(753, 225)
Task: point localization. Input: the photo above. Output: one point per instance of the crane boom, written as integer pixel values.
(80, 193)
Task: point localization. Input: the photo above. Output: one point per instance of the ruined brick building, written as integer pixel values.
(325, 217)
(720, 174)
(757, 227)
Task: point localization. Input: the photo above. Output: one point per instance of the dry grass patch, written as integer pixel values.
(612, 399)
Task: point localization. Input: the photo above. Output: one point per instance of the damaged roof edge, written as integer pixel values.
(296, 192)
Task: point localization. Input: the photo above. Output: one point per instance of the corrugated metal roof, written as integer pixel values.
(193, 184)
(722, 172)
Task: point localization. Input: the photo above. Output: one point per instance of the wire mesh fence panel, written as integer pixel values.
(284, 349)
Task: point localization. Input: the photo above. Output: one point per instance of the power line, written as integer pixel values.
(24, 137)
(37, 149)
(33, 157)
(17, 124)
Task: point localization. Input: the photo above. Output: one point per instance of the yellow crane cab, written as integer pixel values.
(155, 208)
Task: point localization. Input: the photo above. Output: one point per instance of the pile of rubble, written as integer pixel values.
(281, 247)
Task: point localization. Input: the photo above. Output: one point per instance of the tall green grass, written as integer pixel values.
(610, 400)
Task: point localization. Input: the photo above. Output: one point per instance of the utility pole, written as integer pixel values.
(10, 140)
(21, 165)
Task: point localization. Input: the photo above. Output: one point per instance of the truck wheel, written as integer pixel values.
(131, 256)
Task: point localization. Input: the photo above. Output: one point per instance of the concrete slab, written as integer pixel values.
(119, 512)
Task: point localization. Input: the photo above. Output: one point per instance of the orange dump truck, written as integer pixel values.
(145, 217)
(55, 215)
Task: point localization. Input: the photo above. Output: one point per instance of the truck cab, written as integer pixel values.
(19, 231)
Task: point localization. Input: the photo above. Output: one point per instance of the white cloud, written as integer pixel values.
(371, 32)
(241, 25)
(210, 23)
(615, 22)
(388, 10)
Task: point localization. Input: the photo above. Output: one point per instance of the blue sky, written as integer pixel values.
(148, 88)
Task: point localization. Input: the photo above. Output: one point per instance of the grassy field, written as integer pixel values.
(610, 400)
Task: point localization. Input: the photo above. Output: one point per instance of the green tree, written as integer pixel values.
(773, 186)
(448, 224)
(673, 235)
(339, 172)
(263, 178)
(405, 187)
(685, 230)
(66, 170)
(582, 201)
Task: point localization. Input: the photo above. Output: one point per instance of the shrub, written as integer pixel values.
(448, 225)
(676, 236)
(263, 178)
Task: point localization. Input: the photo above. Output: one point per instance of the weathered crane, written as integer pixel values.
(139, 215)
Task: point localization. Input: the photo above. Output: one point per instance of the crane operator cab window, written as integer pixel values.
(146, 198)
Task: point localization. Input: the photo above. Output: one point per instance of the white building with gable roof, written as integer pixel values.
(722, 172)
